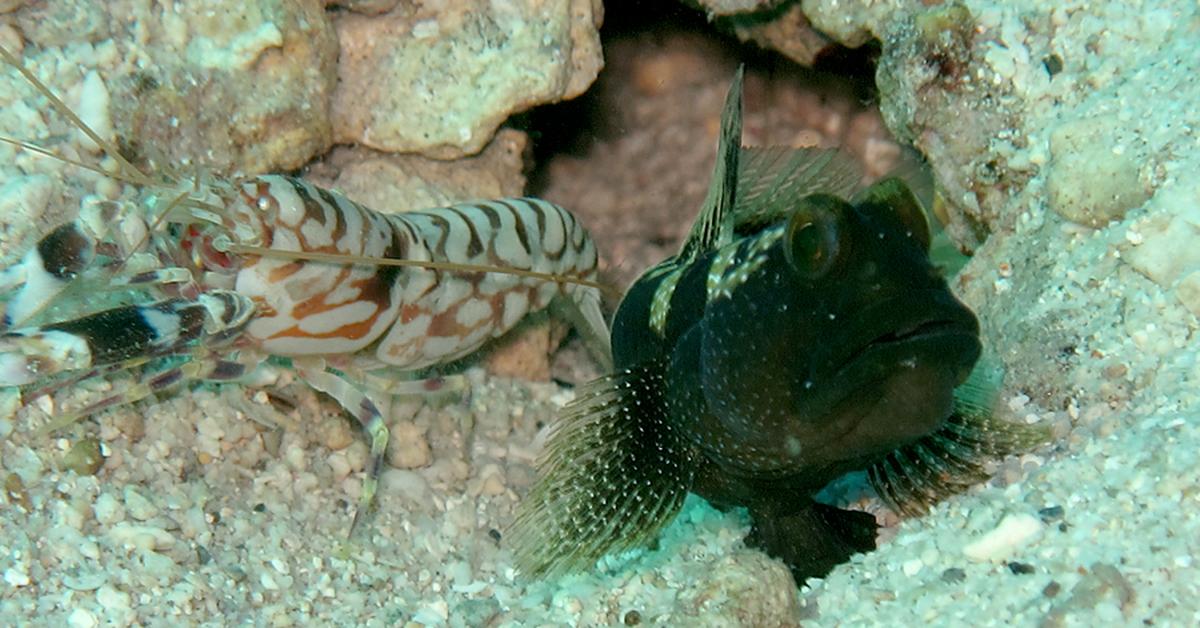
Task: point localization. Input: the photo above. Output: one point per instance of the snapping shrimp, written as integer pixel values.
(271, 265)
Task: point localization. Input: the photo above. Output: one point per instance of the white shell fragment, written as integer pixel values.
(1014, 532)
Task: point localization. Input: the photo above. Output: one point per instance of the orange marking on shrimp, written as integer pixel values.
(446, 324)
(283, 272)
(353, 331)
(410, 311)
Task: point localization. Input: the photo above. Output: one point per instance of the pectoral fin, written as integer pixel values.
(951, 459)
(613, 473)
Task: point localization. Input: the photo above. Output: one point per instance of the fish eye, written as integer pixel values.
(814, 237)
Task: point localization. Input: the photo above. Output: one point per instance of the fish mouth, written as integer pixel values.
(923, 329)
(945, 331)
(948, 333)
(897, 387)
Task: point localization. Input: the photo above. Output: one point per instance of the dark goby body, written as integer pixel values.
(797, 336)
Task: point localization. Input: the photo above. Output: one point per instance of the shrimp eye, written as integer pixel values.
(814, 236)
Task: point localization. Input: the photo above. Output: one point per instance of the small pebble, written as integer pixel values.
(409, 485)
(112, 598)
(82, 618)
(107, 509)
(409, 448)
(16, 577)
(84, 457)
(1013, 532)
(14, 488)
(632, 618)
(1020, 569)
(268, 581)
(138, 506)
(236, 573)
(335, 435)
(131, 425)
(1052, 589)
(84, 582)
(1051, 513)
(435, 613)
(493, 481)
(158, 565)
(89, 549)
(954, 574)
(912, 567)
(142, 537)
(1053, 64)
(339, 466)
(10, 402)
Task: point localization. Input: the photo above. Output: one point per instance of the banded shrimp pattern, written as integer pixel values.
(226, 272)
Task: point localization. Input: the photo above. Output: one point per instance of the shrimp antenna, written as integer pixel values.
(127, 171)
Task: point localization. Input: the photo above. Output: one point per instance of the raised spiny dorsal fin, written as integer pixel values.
(714, 226)
(772, 180)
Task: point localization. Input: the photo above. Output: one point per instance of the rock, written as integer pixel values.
(366, 7)
(396, 183)
(439, 80)
(264, 71)
(754, 591)
(408, 449)
(525, 352)
(1162, 246)
(789, 32)
(1093, 175)
(270, 62)
(731, 7)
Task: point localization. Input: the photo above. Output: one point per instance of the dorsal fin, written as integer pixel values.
(771, 180)
(714, 226)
